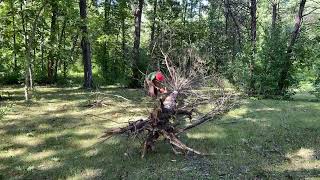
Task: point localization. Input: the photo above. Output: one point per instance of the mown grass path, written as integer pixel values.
(55, 137)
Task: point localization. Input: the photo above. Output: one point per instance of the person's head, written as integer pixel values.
(159, 76)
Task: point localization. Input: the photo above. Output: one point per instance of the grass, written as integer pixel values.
(55, 137)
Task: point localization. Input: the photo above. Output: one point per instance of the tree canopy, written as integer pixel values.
(264, 47)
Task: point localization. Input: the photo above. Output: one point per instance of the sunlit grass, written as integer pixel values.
(56, 137)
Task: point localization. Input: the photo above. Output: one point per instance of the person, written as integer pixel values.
(154, 82)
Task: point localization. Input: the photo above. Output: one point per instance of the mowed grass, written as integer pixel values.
(56, 137)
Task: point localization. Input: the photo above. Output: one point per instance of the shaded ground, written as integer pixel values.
(56, 137)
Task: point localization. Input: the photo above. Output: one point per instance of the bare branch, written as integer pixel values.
(310, 12)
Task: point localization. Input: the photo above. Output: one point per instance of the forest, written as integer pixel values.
(248, 70)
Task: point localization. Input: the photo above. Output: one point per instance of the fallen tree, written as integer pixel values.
(158, 124)
(192, 86)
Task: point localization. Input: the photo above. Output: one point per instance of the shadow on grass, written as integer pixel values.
(266, 139)
(42, 140)
(263, 139)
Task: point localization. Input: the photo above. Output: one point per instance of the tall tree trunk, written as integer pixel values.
(274, 16)
(226, 17)
(191, 9)
(15, 66)
(42, 52)
(200, 10)
(27, 59)
(29, 39)
(51, 57)
(237, 28)
(253, 13)
(283, 83)
(185, 8)
(106, 30)
(123, 36)
(123, 5)
(60, 41)
(107, 9)
(85, 45)
(136, 45)
(153, 26)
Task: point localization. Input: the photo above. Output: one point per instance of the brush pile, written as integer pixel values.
(192, 89)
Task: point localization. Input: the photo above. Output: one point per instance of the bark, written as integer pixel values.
(106, 29)
(107, 8)
(191, 9)
(85, 45)
(283, 83)
(233, 17)
(27, 60)
(185, 7)
(199, 9)
(42, 53)
(253, 13)
(53, 39)
(60, 42)
(15, 67)
(226, 15)
(123, 37)
(136, 46)
(274, 16)
(153, 26)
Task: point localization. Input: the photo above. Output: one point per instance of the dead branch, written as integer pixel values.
(192, 85)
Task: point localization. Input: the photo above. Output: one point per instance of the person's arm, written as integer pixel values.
(156, 85)
(159, 88)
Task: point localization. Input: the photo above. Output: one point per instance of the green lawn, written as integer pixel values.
(56, 137)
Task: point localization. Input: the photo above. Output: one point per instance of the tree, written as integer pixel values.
(53, 39)
(153, 25)
(283, 82)
(136, 45)
(85, 45)
(29, 38)
(254, 52)
(253, 13)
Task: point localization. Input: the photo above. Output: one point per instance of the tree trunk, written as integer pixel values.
(123, 5)
(107, 9)
(153, 26)
(274, 16)
(191, 9)
(51, 57)
(95, 3)
(85, 45)
(283, 83)
(185, 7)
(236, 23)
(42, 51)
(253, 13)
(27, 59)
(15, 67)
(106, 30)
(136, 46)
(61, 40)
(123, 37)
(200, 10)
